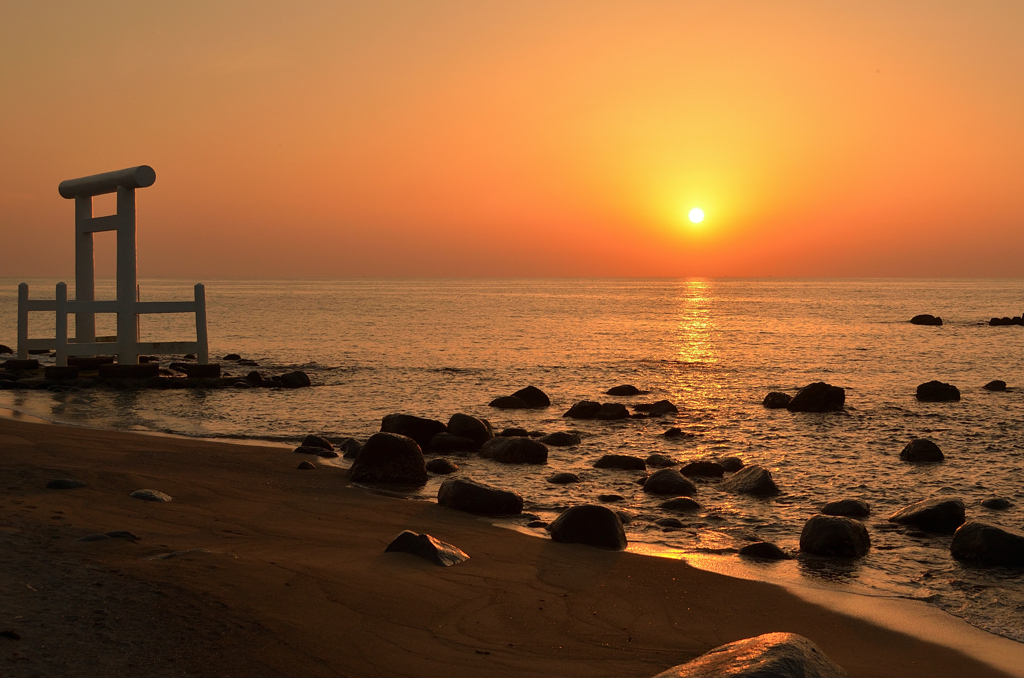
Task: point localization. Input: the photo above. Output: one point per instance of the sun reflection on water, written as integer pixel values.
(694, 343)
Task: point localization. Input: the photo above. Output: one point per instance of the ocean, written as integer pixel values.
(715, 348)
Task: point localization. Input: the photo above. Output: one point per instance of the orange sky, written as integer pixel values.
(522, 138)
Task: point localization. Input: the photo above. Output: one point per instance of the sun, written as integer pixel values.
(696, 215)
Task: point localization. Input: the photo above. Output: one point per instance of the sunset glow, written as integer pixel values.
(420, 138)
(696, 215)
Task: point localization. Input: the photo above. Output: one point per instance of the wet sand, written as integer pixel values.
(275, 571)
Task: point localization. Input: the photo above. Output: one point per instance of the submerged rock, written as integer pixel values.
(612, 412)
(818, 397)
(777, 400)
(851, 508)
(624, 390)
(926, 319)
(937, 392)
(389, 458)
(515, 451)
(669, 481)
(932, 515)
(981, 544)
(753, 480)
(563, 478)
(621, 461)
(680, 505)
(473, 497)
(589, 524)
(660, 461)
(772, 655)
(834, 536)
(765, 550)
(560, 439)
(921, 450)
(427, 547)
(996, 503)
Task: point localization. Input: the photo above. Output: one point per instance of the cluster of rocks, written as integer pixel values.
(997, 322)
(103, 372)
(926, 319)
(816, 397)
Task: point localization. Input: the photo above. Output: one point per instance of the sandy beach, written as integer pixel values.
(257, 568)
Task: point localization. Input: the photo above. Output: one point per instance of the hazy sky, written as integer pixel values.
(478, 138)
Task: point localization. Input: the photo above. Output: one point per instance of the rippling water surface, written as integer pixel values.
(713, 347)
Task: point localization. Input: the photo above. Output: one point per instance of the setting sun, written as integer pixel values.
(696, 215)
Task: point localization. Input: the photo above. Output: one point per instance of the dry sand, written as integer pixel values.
(282, 572)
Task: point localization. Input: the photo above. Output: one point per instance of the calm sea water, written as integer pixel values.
(713, 347)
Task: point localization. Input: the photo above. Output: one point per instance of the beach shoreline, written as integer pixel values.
(286, 569)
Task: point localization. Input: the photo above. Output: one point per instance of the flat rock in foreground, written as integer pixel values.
(772, 655)
(427, 547)
(473, 497)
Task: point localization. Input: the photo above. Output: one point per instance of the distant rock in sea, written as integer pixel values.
(996, 322)
(624, 390)
(995, 385)
(818, 397)
(777, 400)
(926, 319)
(921, 450)
(937, 392)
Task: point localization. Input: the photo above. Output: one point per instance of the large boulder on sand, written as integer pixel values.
(772, 655)
(754, 480)
(669, 481)
(389, 458)
(818, 397)
(425, 546)
(937, 392)
(982, 544)
(921, 449)
(418, 428)
(589, 524)
(533, 397)
(515, 451)
(465, 426)
(473, 497)
(932, 515)
(835, 536)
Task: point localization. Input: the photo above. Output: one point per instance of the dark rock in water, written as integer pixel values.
(254, 378)
(509, 403)
(777, 400)
(150, 495)
(660, 461)
(232, 356)
(585, 409)
(466, 426)
(818, 397)
(765, 550)
(937, 392)
(926, 319)
(561, 439)
(5, 349)
(731, 464)
(997, 503)
(536, 434)
(317, 441)
(772, 655)
(668, 522)
(533, 397)
(589, 524)
(350, 448)
(306, 466)
(621, 461)
(296, 379)
(612, 412)
(995, 385)
(195, 371)
(921, 449)
(309, 449)
(753, 480)
(658, 409)
(425, 546)
(446, 442)
(515, 451)
(851, 508)
(418, 428)
(932, 515)
(703, 469)
(473, 497)
(389, 458)
(609, 498)
(680, 505)
(537, 523)
(624, 390)
(563, 478)
(441, 466)
(676, 432)
(514, 433)
(995, 322)
(669, 481)
(64, 484)
(982, 544)
(59, 373)
(834, 536)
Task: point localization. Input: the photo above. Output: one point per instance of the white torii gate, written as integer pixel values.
(126, 305)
